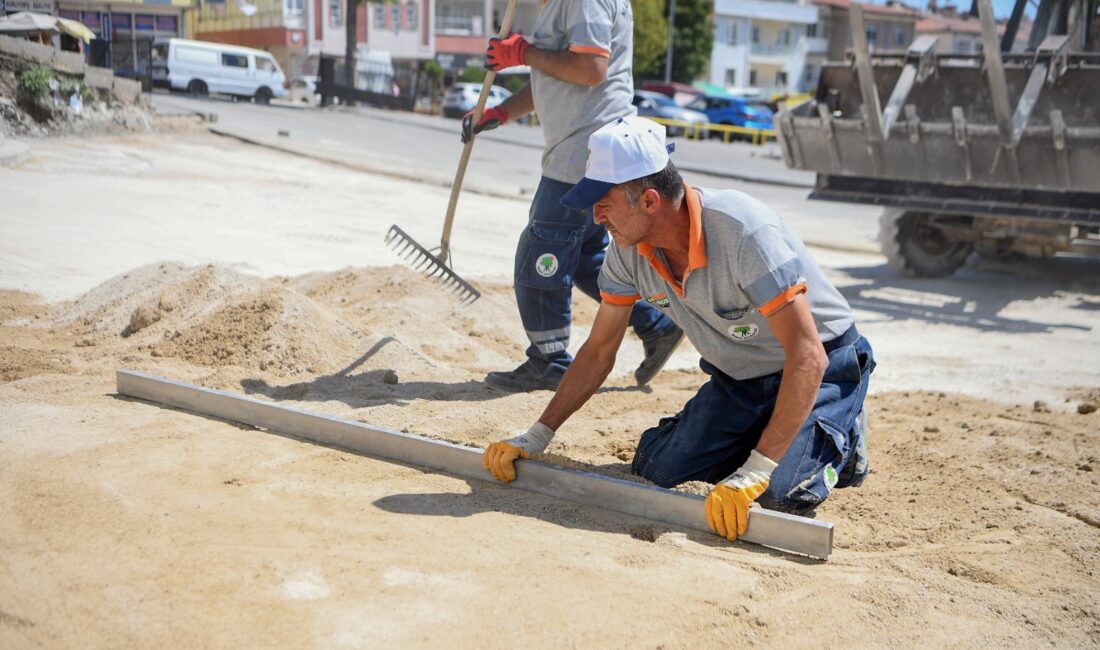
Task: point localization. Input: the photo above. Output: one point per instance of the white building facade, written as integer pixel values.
(763, 44)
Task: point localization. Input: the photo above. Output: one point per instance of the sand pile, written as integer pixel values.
(378, 327)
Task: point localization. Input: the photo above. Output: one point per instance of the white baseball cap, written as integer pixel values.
(628, 148)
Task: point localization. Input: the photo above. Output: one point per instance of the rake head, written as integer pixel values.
(423, 260)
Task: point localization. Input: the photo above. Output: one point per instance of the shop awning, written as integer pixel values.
(29, 22)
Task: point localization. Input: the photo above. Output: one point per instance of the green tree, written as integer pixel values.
(650, 37)
(692, 39)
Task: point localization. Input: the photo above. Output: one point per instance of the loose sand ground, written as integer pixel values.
(124, 524)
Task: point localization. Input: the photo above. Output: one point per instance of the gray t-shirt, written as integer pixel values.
(744, 265)
(569, 113)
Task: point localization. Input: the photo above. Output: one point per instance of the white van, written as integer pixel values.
(200, 68)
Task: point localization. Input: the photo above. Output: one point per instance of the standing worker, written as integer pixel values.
(780, 420)
(580, 55)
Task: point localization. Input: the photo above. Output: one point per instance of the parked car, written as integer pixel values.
(734, 111)
(201, 68)
(651, 104)
(682, 94)
(304, 90)
(461, 98)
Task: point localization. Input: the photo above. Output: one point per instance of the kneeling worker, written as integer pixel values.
(780, 420)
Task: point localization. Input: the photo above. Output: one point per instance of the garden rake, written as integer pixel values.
(435, 263)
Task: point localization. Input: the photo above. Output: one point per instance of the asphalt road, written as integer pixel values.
(506, 162)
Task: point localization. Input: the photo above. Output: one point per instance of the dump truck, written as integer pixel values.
(996, 151)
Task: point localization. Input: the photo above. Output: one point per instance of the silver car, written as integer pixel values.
(651, 104)
(462, 97)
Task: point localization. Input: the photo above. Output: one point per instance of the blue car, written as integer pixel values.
(733, 111)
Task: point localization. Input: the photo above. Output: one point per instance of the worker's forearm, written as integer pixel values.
(572, 67)
(802, 373)
(581, 381)
(519, 104)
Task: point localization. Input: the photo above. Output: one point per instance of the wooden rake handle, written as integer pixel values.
(456, 187)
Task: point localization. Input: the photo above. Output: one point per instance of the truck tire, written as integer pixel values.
(263, 96)
(916, 248)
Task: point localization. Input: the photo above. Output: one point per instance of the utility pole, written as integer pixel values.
(671, 26)
(351, 33)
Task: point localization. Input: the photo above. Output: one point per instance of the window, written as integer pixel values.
(811, 30)
(783, 37)
(379, 16)
(395, 16)
(410, 16)
(293, 7)
(755, 34)
(733, 34)
(731, 78)
(900, 37)
(335, 15)
(752, 77)
(872, 35)
(264, 64)
(235, 60)
(781, 78)
(196, 55)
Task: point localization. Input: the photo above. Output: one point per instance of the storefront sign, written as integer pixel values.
(37, 6)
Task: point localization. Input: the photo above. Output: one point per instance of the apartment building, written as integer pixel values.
(462, 28)
(764, 44)
(298, 32)
(961, 33)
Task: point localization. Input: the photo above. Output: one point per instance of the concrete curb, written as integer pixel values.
(763, 180)
(370, 169)
(498, 136)
(12, 153)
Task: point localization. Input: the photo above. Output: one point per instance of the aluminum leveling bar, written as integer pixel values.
(775, 529)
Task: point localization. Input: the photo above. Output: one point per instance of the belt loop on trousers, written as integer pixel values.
(847, 338)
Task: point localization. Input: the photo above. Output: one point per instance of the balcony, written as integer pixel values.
(224, 16)
(460, 25)
(774, 50)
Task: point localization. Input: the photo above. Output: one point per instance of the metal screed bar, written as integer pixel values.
(774, 529)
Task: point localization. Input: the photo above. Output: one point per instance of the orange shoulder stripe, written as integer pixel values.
(622, 301)
(782, 300)
(590, 49)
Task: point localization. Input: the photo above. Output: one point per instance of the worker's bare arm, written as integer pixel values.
(581, 68)
(594, 362)
(805, 364)
(519, 103)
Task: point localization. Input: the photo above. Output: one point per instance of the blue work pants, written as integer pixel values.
(561, 248)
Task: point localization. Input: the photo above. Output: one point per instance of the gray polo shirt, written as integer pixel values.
(569, 113)
(744, 265)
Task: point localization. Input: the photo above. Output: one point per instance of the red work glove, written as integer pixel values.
(506, 52)
(491, 118)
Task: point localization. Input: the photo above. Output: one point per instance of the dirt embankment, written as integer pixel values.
(978, 526)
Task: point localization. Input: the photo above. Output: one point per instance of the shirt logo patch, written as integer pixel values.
(659, 300)
(743, 332)
(546, 265)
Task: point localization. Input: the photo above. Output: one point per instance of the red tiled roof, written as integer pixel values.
(894, 10)
(958, 24)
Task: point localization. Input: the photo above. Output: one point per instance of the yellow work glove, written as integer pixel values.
(728, 502)
(500, 457)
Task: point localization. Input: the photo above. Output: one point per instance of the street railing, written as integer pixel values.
(699, 130)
